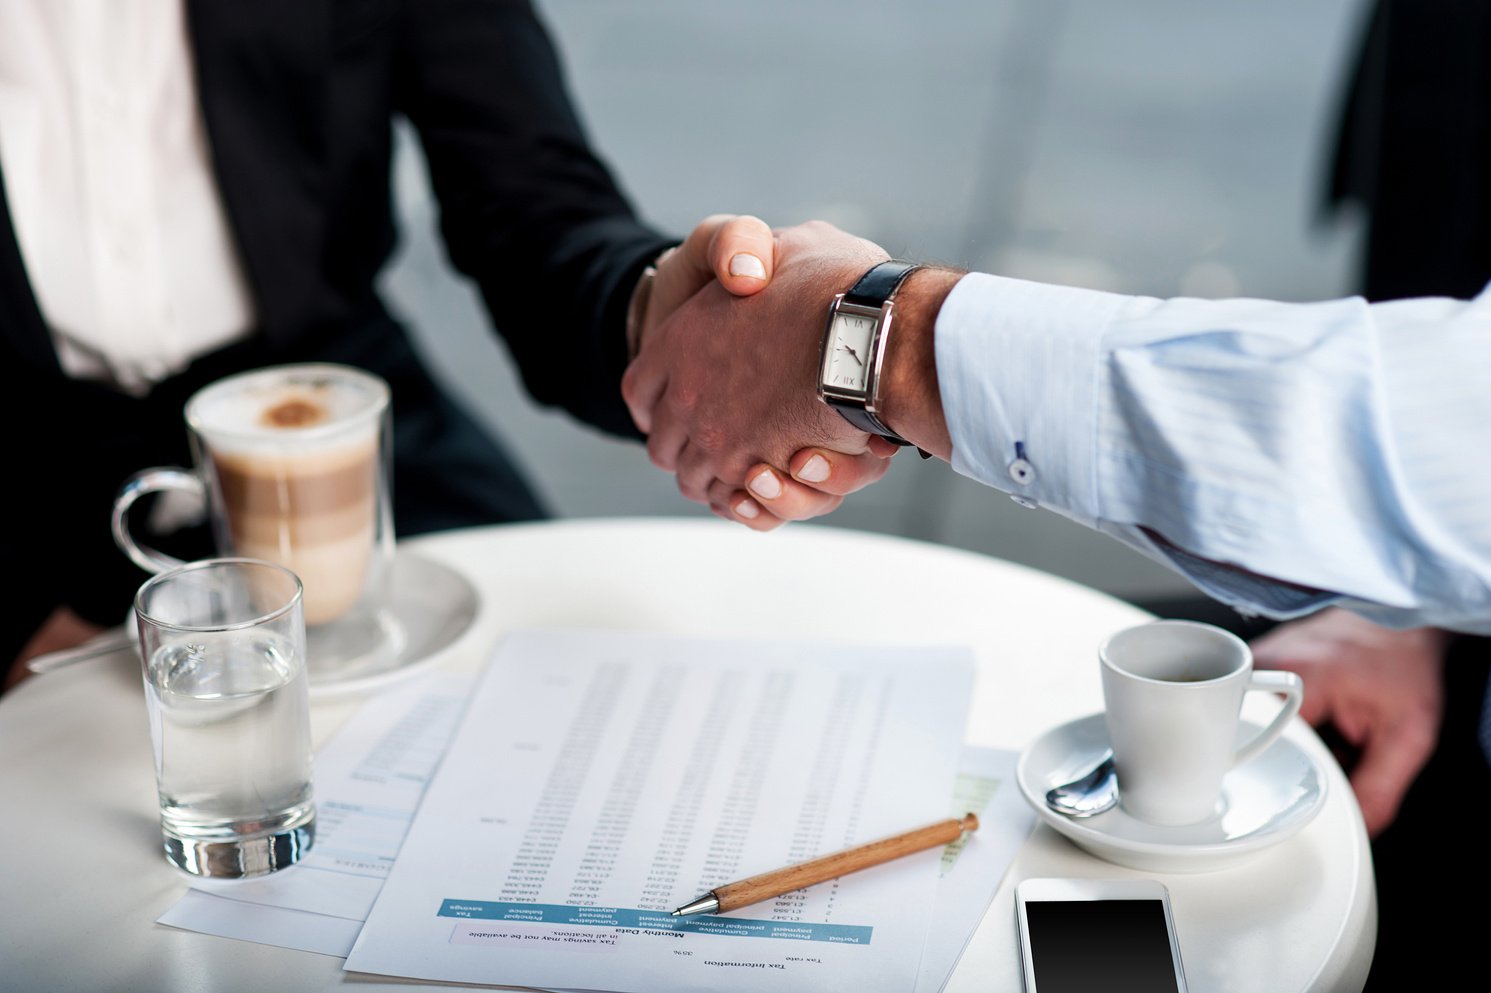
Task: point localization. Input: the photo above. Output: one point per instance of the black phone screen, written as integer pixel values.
(1113, 946)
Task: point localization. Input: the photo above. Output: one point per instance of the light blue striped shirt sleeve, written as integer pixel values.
(1335, 446)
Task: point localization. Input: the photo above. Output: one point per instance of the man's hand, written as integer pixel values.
(721, 384)
(1381, 688)
(63, 629)
(737, 250)
(816, 482)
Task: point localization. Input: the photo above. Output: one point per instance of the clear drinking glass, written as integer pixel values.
(223, 649)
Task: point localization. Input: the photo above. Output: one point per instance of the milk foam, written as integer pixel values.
(232, 415)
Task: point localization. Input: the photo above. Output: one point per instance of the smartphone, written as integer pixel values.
(1090, 935)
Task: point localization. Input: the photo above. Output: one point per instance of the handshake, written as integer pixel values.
(727, 346)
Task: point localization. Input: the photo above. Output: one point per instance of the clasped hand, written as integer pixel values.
(724, 382)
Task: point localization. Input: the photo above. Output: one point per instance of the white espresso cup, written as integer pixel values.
(1173, 692)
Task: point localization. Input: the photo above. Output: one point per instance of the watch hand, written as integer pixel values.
(854, 354)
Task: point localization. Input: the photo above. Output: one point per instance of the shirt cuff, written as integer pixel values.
(1017, 367)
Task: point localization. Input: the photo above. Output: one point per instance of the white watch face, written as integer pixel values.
(849, 361)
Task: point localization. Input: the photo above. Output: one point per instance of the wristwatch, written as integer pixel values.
(859, 323)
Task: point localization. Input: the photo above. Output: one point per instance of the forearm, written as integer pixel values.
(527, 208)
(909, 396)
(1320, 444)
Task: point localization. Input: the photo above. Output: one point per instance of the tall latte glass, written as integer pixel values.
(292, 462)
(223, 647)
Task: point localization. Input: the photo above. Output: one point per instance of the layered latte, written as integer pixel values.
(296, 458)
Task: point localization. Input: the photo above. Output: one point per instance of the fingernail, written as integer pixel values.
(766, 485)
(746, 264)
(748, 509)
(814, 470)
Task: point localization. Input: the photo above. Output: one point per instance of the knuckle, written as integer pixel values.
(685, 399)
(1420, 739)
(720, 492)
(691, 489)
(659, 456)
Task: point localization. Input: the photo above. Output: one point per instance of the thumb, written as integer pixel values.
(737, 249)
(742, 254)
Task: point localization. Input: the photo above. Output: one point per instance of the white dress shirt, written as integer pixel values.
(1335, 445)
(111, 191)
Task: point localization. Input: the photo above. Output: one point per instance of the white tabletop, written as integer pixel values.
(84, 879)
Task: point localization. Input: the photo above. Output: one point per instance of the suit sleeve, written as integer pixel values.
(527, 209)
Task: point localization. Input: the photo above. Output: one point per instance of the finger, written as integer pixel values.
(665, 444)
(1320, 694)
(1388, 766)
(695, 475)
(1319, 705)
(834, 472)
(741, 508)
(642, 385)
(735, 504)
(786, 498)
(742, 254)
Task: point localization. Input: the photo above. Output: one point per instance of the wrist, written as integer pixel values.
(910, 400)
(638, 307)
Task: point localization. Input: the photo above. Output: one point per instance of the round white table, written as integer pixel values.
(84, 880)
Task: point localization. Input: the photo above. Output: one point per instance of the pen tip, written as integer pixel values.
(706, 904)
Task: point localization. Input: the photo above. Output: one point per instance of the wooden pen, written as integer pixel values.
(794, 877)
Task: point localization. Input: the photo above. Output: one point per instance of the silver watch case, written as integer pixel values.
(868, 400)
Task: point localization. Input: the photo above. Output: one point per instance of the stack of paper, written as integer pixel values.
(600, 780)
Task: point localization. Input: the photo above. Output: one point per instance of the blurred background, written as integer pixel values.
(1161, 147)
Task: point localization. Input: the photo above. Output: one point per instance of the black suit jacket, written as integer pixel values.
(1413, 148)
(299, 97)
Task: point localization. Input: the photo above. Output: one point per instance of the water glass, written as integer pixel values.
(223, 649)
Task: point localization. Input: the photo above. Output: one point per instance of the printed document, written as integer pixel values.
(368, 781)
(972, 868)
(376, 766)
(598, 780)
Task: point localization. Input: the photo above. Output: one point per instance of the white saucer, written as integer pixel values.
(430, 608)
(1263, 802)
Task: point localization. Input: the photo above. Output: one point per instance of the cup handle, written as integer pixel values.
(1273, 681)
(141, 483)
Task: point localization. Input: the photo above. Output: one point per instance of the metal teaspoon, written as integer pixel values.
(1090, 794)
(103, 645)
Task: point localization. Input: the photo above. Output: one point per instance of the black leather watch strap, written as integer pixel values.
(867, 422)
(877, 284)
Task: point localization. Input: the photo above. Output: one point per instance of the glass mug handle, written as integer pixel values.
(141, 483)
(1273, 681)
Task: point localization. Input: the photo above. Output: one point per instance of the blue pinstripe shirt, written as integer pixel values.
(1335, 446)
